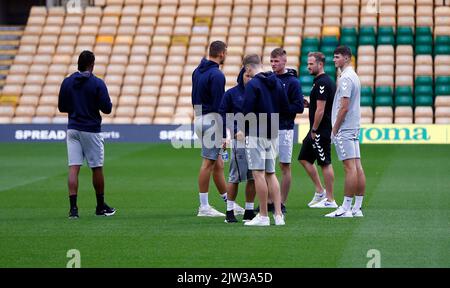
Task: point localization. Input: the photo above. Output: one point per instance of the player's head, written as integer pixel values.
(86, 61)
(316, 61)
(278, 60)
(246, 77)
(252, 64)
(218, 51)
(342, 56)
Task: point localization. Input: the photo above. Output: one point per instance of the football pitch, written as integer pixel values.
(154, 189)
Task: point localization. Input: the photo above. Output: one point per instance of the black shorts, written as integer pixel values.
(318, 149)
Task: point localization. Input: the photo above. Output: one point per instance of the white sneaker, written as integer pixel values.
(325, 204)
(279, 220)
(209, 211)
(238, 210)
(340, 213)
(258, 221)
(357, 213)
(317, 199)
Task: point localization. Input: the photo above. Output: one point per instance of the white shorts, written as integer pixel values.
(261, 153)
(207, 134)
(285, 145)
(347, 144)
(85, 145)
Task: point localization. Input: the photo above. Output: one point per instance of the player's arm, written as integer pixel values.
(225, 107)
(64, 101)
(296, 103)
(320, 110)
(341, 114)
(105, 104)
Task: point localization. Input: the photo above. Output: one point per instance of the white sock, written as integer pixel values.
(204, 199)
(249, 205)
(319, 194)
(358, 202)
(230, 205)
(224, 196)
(347, 203)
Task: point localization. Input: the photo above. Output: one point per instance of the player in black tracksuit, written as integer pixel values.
(317, 143)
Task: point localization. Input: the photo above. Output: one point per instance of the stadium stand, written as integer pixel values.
(146, 51)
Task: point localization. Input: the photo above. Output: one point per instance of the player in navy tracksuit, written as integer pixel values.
(232, 103)
(208, 87)
(264, 98)
(82, 95)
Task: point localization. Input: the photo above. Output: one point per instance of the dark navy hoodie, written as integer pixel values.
(295, 97)
(83, 95)
(208, 87)
(265, 94)
(233, 100)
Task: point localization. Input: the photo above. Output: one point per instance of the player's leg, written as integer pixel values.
(307, 157)
(286, 180)
(219, 178)
(328, 177)
(250, 194)
(261, 190)
(361, 185)
(231, 194)
(75, 159)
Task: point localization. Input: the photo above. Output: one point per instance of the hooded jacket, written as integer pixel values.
(233, 100)
(295, 97)
(264, 94)
(208, 87)
(83, 95)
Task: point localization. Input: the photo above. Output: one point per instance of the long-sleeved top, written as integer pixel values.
(295, 97)
(83, 95)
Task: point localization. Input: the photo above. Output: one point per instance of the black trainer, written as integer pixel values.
(73, 213)
(248, 215)
(230, 218)
(105, 211)
(283, 208)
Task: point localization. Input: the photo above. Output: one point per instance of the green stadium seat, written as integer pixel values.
(404, 101)
(304, 58)
(367, 30)
(367, 101)
(330, 70)
(423, 30)
(349, 31)
(330, 41)
(306, 90)
(442, 80)
(349, 40)
(421, 49)
(367, 40)
(442, 40)
(384, 101)
(385, 30)
(381, 91)
(403, 91)
(424, 101)
(405, 30)
(328, 50)
(308, 48)
(424, 39)
(424, 81)
(423, 90)
(311, 41)
(366, 91)
(306, 80)
(303, 68)
(443, 90)
(386, 39)
(405, 40)
(442, 49)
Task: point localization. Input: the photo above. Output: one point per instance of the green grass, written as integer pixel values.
(154, 188)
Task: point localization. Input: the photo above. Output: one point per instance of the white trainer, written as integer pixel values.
(317, 198)
(357, 213)
(325, 204)
(340, 213)
(238, 210)
(258, 221)
(209, 211)
(279, 220)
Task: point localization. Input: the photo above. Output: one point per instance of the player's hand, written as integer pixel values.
(313, 135)
(224, 143)
(240, 136)
(305, 103)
